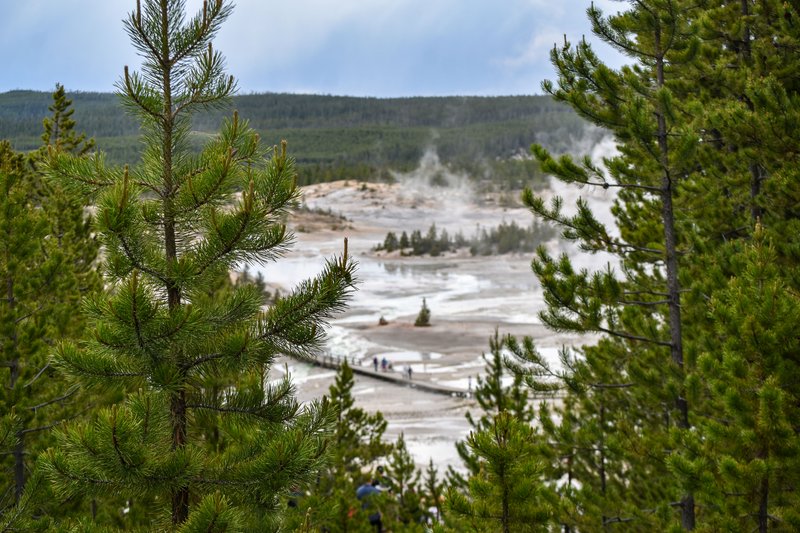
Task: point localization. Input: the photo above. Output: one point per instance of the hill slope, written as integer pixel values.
(334, 136)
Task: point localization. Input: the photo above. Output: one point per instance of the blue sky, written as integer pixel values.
(378, 48)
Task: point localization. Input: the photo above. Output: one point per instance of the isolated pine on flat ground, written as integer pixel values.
(200, 437)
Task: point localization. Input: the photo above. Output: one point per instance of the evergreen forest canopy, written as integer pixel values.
(337, 137)
(148, 410)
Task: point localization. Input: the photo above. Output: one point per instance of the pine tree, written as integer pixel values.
(27, 274)
(434, 492)
(59, 128)
(749, 448)
(404, 242)
(712, 113)
(424, 316)
(171, 227)
(744, 226)
(46, 267)
(404, 483)
(507, 494)
(493, 398)
(390, 243)
(640, 305)
(592, 440)
(356, 445)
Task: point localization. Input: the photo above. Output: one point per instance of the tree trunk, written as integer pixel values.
(755, 169)
(506, 513)
(763, 508)
(673, 284)
(19, 447)
(180, 496)
(603, 462)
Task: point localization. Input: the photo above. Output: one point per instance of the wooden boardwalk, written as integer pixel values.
(396, 378)
(399, 379)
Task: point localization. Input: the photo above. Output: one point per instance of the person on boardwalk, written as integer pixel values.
(384, 364)
(375, 363)
(408, 370)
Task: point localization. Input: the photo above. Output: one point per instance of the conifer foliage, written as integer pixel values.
(59, 127)
(424, 316)
(506, 494)
(355, 449)
(494, 397)
(47, 257)
(170, 228)
(679, 417)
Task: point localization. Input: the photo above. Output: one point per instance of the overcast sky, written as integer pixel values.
(347, 47)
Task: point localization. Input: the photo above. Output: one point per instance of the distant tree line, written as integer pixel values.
(337, 137)
(507, 237)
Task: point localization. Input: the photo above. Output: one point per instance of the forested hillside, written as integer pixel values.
(337, 137)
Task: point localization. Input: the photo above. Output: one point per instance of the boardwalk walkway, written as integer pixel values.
(397, 378)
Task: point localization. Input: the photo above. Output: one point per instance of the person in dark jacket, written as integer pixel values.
(365, 493)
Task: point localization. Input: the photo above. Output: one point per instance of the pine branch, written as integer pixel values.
(61, 398)
(135, 261)
(186, 366)
(115, 440)
(210, 24)
(135, 313)
(617, 520)
(612, 385)
(134, 93)
(607, 185)
(25, 317)
(649, 293)
(47, 427)
(134, 22)
(643, 303)
(614, 39)
(257, 412)
(562, 304)
(210, 193)
(228, 246)
(66, 474)
(631, 337)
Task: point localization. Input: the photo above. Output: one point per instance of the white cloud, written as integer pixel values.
(536, 51)
(378, 47)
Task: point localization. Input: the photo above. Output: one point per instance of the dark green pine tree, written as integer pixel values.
(71, 225)
(507, 494)
(638, 305)
(745, 99)
(170, 228)
(59, 128)
(404, 484)
(494, 397)
(433, 489)
(45, 271)
(26, 274)
(355, 449)
(749, 444)
(590, 447)
(390, 243)
(423, 319)
(404, 242)
(723, 107)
